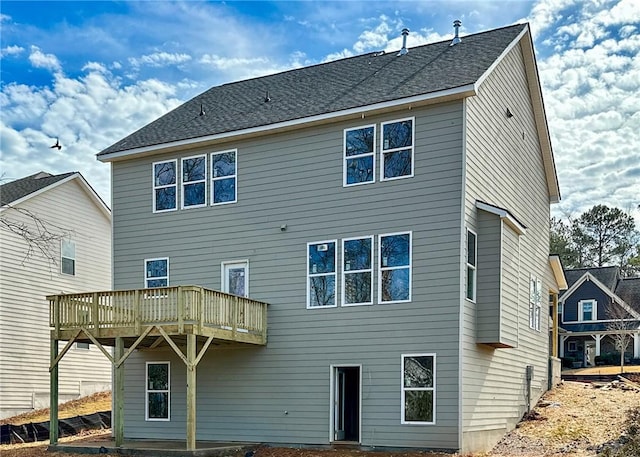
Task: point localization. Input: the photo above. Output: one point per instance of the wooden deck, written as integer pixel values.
(149, 313)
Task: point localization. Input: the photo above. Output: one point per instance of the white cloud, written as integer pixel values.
(41, 60)
(11, 51)
(160, 59)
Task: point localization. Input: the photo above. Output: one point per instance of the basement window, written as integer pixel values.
(418, 389)
(157, 391)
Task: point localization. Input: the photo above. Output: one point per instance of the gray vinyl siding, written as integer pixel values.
(510, 267)
(504, 168)
(489, 269)
(24, 310)
(295, 178)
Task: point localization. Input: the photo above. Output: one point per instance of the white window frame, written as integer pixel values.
(71, 244)
(147, 392)
(384, 151)
(404, 389)
(185, 183)
(216, 178)
(358, 156)
(381, 268)
(471, 268)
(146, 278)
(335, 274)
(153, 185)
(572, 344)
(535, 302)
(83, 346)
(224, 283)
(346, 272)
(594, 310)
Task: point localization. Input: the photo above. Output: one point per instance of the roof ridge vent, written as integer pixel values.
(405, 34)
(456, 39)
(42, 174)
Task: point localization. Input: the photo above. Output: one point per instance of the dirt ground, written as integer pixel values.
(573, 420)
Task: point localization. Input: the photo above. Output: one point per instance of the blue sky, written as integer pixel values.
(89, 73)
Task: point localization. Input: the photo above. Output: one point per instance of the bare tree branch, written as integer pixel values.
(41, 236)
(620, 328)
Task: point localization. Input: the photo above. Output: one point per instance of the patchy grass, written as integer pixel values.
(97, 402)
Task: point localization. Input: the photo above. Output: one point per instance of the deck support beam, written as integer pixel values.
(191, 392)
(118, 397)
(53, 393)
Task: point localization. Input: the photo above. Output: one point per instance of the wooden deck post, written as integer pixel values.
(191, 392)
(53, 394)
(118, 403)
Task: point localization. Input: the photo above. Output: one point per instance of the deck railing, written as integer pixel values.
(159, 306)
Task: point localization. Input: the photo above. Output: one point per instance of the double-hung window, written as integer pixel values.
(472, 251)
(156, 272)
(223, 177)
(359, 155)
(157, 391)
(321, 274)
(68, 257)
(194, 179)
(535, 302)
(418, 389)
(397, 149)
(165, 186)
(587, 310)
(357, 271)
(394, 271)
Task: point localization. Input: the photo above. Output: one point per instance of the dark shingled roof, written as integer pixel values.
(606, 275)
(15, 190)
(629, 290)
(327, 88)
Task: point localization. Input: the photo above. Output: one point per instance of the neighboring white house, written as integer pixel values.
(67, 204)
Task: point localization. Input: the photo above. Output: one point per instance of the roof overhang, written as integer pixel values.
(558, 272)
(456, 93)
(542, 127)
(504, 215)
(93, 195)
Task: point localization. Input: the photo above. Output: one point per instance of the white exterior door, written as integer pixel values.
(235, 278)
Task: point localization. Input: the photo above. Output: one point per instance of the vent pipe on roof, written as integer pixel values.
(456, 38)
(405, 34)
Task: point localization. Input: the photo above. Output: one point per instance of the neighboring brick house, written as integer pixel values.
(393, 211)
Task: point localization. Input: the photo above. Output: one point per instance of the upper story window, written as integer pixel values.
(394, 257)
(321, 274)
(397, 149)
(165, 186)
(156, 272)
(223, 177)
(357, 271)
(359, 155)
(68, 257)
(418, 389)
(588, 310)
(194, 178)
(535, 302)
(472, 251)
(157, 391)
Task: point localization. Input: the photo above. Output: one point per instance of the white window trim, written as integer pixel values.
(223, 277)
(404, 389)
(381, 268)
(473, 267)
(571, 344)
(147, 391)
(214, 178)
(594, 310)
(344, 156)
(80, 346)
(535, 304)
(183, 183)
(344, 272)
(412, 147)
(155, 277)
(335, 273)
(72, 243)
(154, 187)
